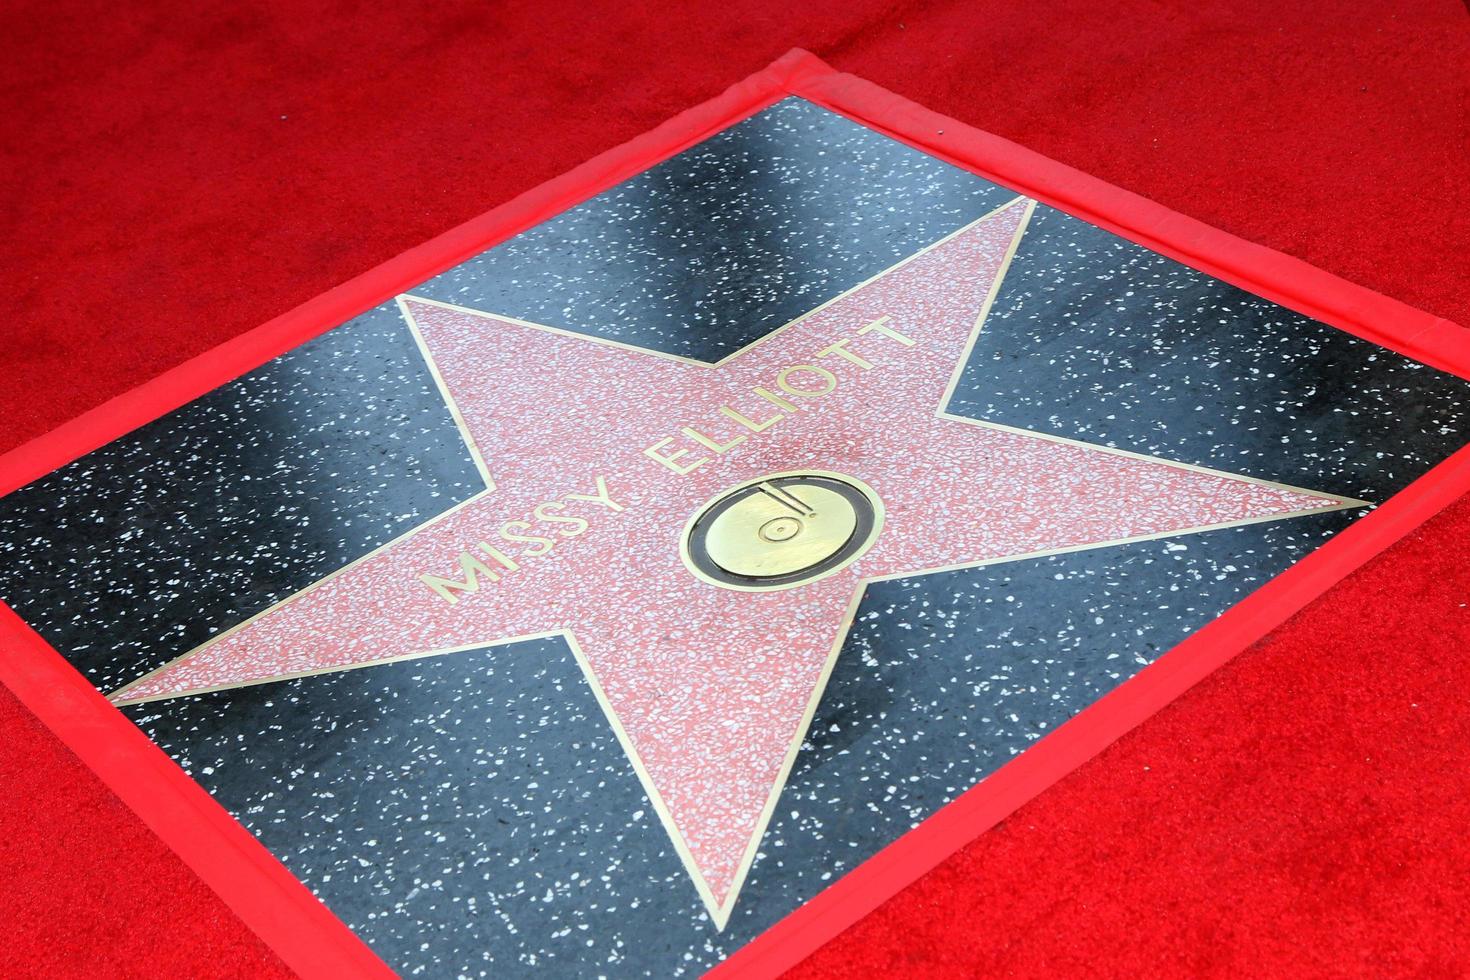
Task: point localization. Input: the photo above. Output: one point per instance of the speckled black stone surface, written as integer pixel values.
(709, 251)
(472, 814)
(1095, 338)
(144, 549)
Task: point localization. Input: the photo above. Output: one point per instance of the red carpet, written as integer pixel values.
(176, 176)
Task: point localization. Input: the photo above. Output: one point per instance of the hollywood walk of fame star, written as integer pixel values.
(602, 455)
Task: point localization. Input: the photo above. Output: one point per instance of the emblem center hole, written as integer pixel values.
(780, 529)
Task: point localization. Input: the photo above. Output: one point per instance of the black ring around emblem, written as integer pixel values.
(862, 507)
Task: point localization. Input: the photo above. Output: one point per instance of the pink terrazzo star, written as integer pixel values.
(600, 456)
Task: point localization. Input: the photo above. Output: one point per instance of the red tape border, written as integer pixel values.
(308, 937)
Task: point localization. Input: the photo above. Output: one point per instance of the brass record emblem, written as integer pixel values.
(782, 530)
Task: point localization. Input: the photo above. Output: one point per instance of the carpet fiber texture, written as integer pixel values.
(174, 174)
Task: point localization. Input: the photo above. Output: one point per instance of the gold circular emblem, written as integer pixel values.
(782, 530)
